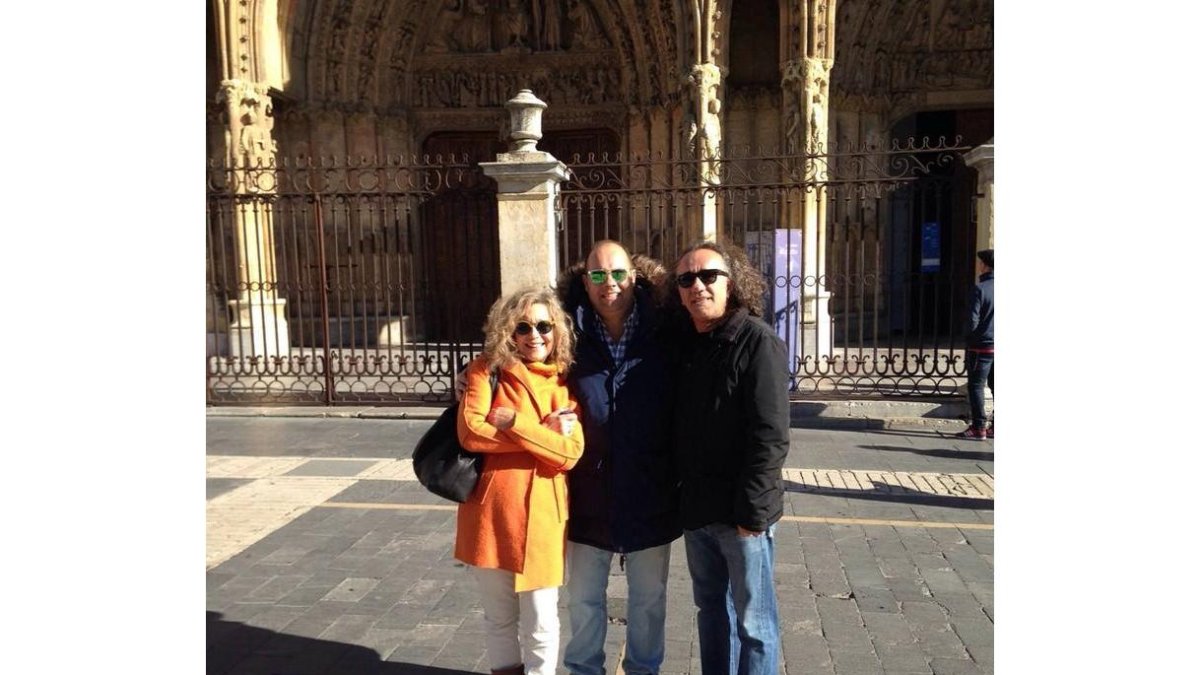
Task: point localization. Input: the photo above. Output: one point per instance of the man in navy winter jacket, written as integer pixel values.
(623, 492)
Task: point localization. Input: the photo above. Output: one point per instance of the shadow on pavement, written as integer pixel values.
(233, 648)
(899, 495)
(981, 455)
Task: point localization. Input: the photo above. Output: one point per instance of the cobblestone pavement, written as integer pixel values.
(324, 555)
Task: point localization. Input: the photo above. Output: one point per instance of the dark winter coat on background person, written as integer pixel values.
(980, 318)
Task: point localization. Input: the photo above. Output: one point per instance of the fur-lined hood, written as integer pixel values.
(650, 276)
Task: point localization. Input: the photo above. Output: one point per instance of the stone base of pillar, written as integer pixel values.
(259, 329)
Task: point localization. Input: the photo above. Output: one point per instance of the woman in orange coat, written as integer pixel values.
(512, 530)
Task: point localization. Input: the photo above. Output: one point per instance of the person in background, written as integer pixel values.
(512, 528)
(624, 500)
(980, 348)
(730, 442)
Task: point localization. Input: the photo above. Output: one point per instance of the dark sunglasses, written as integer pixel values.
(543, 327)
(598, 276)
(707, 277)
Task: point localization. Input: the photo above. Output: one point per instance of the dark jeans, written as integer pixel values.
(979, 370)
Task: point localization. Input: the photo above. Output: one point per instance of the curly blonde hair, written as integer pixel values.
(499, 347)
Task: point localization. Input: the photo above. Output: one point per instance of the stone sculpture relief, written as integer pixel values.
(514, 26)
(463, 88)
(250, 117)
(817, 90)
(585, 33)
(706, 81)
(510, 28)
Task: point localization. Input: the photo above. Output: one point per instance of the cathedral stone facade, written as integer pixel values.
(297, 82)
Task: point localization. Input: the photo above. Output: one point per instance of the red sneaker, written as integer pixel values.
(991, 431)
(972, 434)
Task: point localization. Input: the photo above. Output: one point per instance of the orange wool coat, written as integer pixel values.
(516, 519)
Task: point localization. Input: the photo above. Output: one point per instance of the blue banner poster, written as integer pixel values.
(931, 247)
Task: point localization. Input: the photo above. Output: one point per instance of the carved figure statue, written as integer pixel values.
(510, 27)
(585, 34)
(793, 127)
(706, 78)
(252, 112)
(689, 132)
(551, 24)
(471, 32)
(439, 38)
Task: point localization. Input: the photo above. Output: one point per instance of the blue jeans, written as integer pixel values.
(979, 370)
(733, 586)
(587, 588)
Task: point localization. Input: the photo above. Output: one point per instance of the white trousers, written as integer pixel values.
(521, 627)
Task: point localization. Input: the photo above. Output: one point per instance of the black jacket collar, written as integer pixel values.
(728, 329)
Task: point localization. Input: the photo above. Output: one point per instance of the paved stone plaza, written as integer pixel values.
(325, 555)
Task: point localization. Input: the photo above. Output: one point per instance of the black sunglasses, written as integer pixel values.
(707, 277)
(599, 276)
(543, 327)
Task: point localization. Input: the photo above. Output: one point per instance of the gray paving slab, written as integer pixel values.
(365, 581)
(214, 487)
(331, 467)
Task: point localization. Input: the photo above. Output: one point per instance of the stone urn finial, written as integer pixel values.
(525, 112)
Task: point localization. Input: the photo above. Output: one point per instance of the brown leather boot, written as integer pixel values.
(518, 669)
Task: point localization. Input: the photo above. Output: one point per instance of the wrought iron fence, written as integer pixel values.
(380, 273)
(891, 228)
(384, 269)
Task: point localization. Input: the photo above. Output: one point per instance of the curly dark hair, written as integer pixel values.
(746, 283)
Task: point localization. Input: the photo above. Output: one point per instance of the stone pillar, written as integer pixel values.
(527, 190)
(981, 159)
(805, 108)
(259, 324)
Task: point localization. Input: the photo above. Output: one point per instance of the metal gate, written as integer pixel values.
(374, 278)
(381, 274)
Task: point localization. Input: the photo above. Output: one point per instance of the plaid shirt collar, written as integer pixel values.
(616, 347)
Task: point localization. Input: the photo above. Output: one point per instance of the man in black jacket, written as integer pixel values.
(730, 441)
(622, 493)
(980, 347)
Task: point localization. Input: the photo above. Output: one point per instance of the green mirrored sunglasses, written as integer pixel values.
(599, 276)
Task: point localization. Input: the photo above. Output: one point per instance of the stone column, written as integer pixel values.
(981, 159)
(259, 324)
(527, 188)
(805, 87)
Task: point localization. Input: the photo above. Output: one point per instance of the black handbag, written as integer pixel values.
(441, 463)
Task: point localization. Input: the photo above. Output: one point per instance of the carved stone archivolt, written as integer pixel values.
(941, 46)
(367, 51)
(622, 59)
